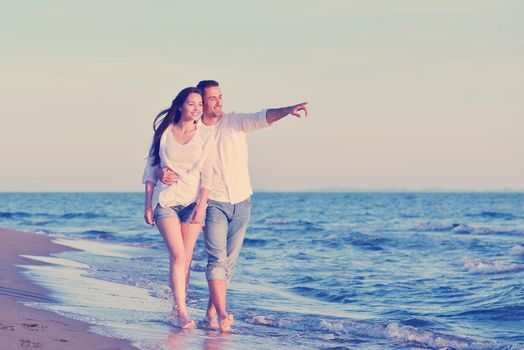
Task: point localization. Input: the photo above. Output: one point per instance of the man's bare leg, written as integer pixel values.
(211, 314)
(217, 291)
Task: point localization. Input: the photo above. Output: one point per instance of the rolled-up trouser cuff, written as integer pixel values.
(216, 273)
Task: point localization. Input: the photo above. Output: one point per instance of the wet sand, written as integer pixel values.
(22, 327)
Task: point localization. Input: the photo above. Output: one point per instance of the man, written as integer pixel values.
(229, 203)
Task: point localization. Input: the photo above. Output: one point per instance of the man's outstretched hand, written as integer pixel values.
(167, 176)
(296, 109)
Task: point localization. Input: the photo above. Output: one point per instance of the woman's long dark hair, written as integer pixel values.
(167, 117)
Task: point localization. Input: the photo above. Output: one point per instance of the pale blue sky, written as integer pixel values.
(403, 94)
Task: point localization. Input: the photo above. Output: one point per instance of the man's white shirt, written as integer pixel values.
(231, 182)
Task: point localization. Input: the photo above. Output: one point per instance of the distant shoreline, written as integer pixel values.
(326, 190)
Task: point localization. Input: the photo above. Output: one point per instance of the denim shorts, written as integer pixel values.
(184, 214)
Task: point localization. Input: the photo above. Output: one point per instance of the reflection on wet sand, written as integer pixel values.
(185, 339)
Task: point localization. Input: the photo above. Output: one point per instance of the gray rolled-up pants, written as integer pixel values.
(224, 233)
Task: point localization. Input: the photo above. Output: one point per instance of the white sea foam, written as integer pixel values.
(263, 320)
(160, 291)
(276, 221)
(57, 235)
(69, 282)
(462, 228)
(102, 248)
(517, 250)
(436, 340)
(280, 221)
(57, 261)
(270, 321)
(361, 328)
(408, 334)
(479, 266)
(465, 229)
(114, 309)
(436, 226)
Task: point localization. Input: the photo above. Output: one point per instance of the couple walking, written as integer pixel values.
(197, 176)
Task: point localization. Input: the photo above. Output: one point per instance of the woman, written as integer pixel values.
(178, 210)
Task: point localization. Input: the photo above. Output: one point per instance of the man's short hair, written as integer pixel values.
(202, 85)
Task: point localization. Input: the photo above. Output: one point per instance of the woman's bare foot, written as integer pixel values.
(181, 319)
(226, 323)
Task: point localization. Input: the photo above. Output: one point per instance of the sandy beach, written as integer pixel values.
(23, 327)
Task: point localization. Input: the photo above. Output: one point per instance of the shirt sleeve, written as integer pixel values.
(249, 121)
(150, 171)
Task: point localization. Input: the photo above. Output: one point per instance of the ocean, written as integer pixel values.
(317, 270)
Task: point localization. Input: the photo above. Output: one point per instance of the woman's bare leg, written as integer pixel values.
(190, 234)
(171, 232)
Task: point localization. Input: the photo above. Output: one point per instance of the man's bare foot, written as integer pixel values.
(211, 322)
(226, 323)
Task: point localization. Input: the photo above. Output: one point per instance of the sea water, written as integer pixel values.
(317, 270)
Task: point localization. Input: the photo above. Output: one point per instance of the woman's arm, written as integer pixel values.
(200, 210)
(148, 209)
(207, 179)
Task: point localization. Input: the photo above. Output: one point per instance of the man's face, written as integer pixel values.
(213, 102)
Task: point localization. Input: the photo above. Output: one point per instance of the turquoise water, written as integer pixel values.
(318, 270)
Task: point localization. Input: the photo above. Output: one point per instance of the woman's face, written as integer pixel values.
(192, 107)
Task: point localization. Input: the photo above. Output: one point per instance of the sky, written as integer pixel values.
(414, 95)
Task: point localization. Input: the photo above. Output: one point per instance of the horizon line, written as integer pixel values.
(319, 190)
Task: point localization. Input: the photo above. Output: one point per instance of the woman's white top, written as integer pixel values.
(192, 161)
